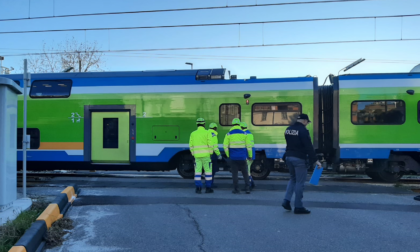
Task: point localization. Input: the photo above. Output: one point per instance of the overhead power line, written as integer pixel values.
(226, 47)
(214, 24)
(184, 9)
(274, 59)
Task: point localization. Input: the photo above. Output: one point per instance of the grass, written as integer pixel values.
(11, 231)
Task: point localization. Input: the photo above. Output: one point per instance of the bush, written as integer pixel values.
(11, 231)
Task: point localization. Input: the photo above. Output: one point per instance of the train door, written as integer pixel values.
(110, 134)
(110, 137)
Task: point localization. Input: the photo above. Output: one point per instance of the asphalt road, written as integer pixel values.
(164, 214)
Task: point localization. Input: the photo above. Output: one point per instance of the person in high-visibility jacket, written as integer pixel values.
(201, 147)
(238, 148)
(216, 152)
(244, 127)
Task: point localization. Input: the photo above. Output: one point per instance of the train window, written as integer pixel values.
(378, 112)
(51, 89)
(275, 114)
(227, 112)
(35, 138)
(110, 133)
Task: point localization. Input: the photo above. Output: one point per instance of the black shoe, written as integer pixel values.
(417, 198)
(236, 191)
(286, 205)
(198, 190)
(209, 190)
(301, 210)
(248, 191)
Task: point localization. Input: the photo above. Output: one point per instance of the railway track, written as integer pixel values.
(276, 176)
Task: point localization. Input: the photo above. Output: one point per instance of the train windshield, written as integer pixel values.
(51, 89)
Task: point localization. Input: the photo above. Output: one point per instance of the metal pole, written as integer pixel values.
(26, 80)
(1, 64)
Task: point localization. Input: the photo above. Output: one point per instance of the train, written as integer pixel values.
(142, 120)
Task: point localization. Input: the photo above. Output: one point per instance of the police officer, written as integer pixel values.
(244, 127)
(238, 148)
(299, 149)
(216, 152)
(201, 148)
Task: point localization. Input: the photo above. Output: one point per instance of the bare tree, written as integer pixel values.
(81, 57)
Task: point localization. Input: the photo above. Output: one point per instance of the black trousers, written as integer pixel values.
(239, 165)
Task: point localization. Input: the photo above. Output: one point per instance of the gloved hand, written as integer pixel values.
(318, 165)
(219, 157)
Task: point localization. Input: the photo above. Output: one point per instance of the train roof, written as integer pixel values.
(166, 77)
(151, 73)
(148, 73)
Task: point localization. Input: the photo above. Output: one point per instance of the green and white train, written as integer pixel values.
(143, 120)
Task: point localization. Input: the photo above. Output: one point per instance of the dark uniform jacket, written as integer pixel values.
(299, 143)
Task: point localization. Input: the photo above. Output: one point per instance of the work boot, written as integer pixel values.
(198, 190)
(301, 210)
(248, 190)
(286, 205)
(236, 191)
(209, 190)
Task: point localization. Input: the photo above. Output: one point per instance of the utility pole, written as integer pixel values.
(1, 64)
(26, 140)
(80, 63)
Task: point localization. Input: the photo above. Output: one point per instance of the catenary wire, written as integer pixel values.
(211, 24)
(239, 57)
(184, 9)
(226, 47)
(265, 60)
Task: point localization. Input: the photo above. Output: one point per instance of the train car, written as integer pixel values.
(142, 120)
(371, 124)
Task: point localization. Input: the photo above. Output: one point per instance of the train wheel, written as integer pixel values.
(186, 167)
(260, 169)
(382, 172)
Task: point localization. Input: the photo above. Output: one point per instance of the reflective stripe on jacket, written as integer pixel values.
(237, 144)
(215, 142)
(251, 138)
(200, 143)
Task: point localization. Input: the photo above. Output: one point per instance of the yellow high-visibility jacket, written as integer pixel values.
(215, 142)
(201, 143)
(237, 144)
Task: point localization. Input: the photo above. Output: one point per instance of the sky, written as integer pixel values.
(261, 61)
